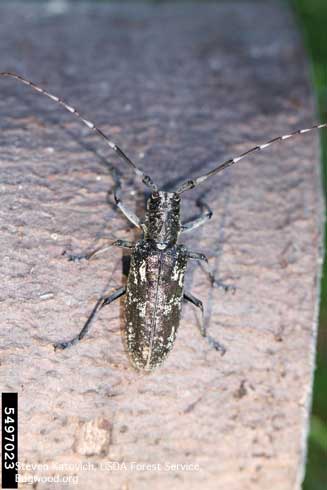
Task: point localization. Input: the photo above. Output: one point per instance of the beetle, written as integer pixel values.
(155, 284)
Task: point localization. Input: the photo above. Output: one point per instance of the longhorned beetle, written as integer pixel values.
(155, 285)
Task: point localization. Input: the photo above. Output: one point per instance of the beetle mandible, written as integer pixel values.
(155, 284)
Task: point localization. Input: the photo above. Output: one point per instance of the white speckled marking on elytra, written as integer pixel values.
(171, 337)
(142, 271)
(176, 272)
(145, 351)
(178, 275)
(167, 309)
(142, 309)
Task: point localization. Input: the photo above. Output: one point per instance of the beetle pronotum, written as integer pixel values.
(155, 284)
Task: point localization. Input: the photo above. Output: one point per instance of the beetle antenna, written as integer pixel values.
(145, 178)
(190, 184)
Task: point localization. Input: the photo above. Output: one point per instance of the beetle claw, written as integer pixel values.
(226, 287)
(217, 345)
(60, 346)
(74, 257)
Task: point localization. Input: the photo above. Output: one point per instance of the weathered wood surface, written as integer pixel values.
(179, 88)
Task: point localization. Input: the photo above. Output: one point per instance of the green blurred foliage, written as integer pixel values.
(312, 16)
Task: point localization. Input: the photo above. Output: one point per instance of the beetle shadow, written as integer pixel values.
(223, 188)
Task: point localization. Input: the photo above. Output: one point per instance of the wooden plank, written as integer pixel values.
(179, 87)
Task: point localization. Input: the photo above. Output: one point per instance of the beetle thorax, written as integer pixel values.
(162, 219)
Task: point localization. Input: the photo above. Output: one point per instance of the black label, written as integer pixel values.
(9, 440)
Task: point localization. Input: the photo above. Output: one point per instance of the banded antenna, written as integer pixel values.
(190, 184)
(145, 178)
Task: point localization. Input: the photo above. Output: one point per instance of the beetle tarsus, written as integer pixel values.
(216, 283)
(216, 345)
(62, 345)
(76, 257)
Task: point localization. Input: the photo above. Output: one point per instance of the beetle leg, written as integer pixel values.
(103, 301)
(203, 329)
(98, 251)
(130, 215)
(191, 225)
(196, 256)
(216, 283)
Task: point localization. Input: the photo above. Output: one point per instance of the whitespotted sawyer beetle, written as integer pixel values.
(155, 285)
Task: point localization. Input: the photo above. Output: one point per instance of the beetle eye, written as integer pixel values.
(155, 195)
(177, 198)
